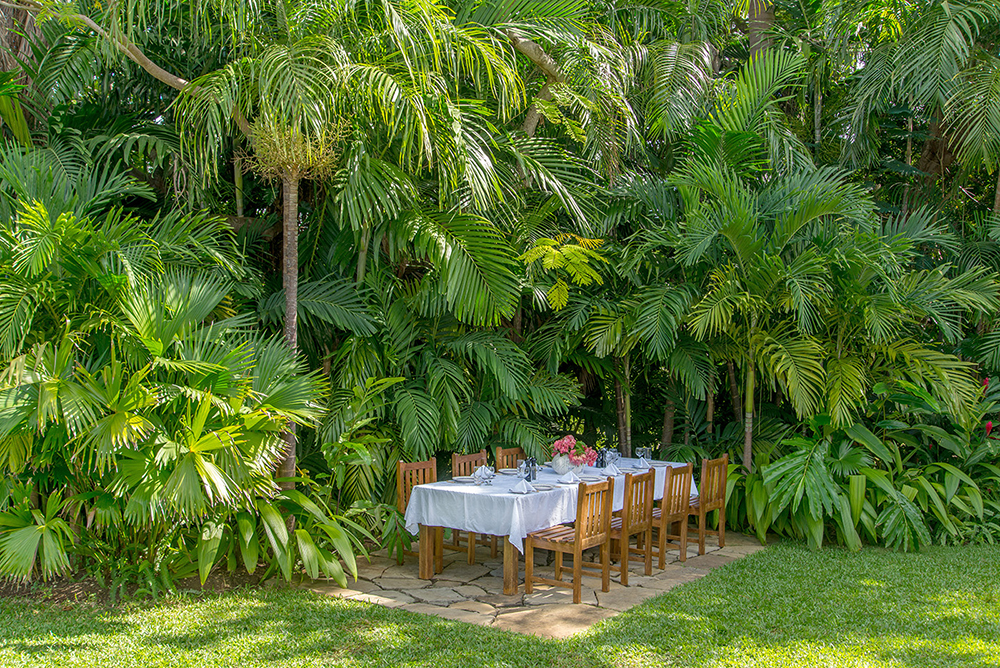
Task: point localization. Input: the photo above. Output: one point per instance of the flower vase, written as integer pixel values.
(561, 465)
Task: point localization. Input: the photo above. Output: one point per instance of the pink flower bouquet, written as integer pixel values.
(579, 453)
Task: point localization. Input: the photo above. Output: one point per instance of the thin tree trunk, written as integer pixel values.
(996, 199)
(687, 422)
(734, 391)
(710, 413)
(748, 420)
(363, 253)
(290, 279)
(547, 64)
(760, 18)
(627, 364)
(817, 117)
(238, 183)
(667, 436)
(619, 404)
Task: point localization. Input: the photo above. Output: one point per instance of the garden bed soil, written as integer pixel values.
(87, 589)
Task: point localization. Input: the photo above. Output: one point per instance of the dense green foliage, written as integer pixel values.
(877, 608)
(753, 228)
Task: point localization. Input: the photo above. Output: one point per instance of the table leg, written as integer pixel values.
(438, 549)
(426, 552)
(510, 568)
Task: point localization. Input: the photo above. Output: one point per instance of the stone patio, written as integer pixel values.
(474, 594)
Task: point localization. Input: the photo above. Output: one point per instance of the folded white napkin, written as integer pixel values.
(570, 477)
(482, 472)
(611, 469)
(522, 487)
(643, 464)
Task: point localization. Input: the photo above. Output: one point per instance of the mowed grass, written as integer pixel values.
(785, 606)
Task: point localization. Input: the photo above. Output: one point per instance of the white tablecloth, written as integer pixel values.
(495, 510)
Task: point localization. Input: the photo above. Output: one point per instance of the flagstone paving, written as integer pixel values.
(474, 593)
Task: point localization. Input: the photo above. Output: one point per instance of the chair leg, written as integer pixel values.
(493, 547)
(577, 574)
(623, 547)
(605, 566)
(702, 521)
(559, 565)
(662, 544)
(722, 527)
(471, 556)
(648, 537)
(684, 540)
(529, 564)
(438, 550)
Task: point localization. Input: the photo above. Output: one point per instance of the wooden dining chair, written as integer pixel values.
(466, 465)
(408, 476)
(673, 509)
(591, 529)
(711, 496)
(507, 457)
(636, 519)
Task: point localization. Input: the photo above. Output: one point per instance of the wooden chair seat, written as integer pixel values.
(557, 534)
(591, 529)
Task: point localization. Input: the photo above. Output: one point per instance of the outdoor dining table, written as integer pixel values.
(495, 510)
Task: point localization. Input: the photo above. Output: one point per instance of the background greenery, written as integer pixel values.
(246, 270)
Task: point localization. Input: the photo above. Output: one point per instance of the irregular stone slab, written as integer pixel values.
(470, 591)
(502, 600)
(450, 613)
(625, 598)
(389, 599)
(552, 621)
(375, 569)
(337, 592)
(708, 561)
(407, 570)
(436, 595)
(402, 583)
(463, 572)
(474, 606)
(544, 595)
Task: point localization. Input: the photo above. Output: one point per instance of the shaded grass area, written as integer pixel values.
(785, 606)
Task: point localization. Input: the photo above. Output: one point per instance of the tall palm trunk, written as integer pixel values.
(290, 280)
(760, 19)
(817, 116)
(627, 367)
(996, 199)
(619, 403)
(667, 436)
(710, 413)
(734, 391)
(238, 183)
(748, 419)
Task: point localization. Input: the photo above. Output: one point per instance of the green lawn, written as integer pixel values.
(785, 606)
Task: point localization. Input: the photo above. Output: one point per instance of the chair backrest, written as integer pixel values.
(507, 457)
(411, 474)
(593, 512)
(712, 493)
(467, 464)
(637, 506)
(677, 492)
